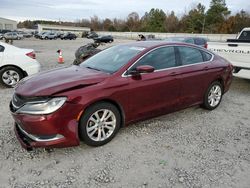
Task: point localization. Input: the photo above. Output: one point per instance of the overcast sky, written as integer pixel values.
(71, 10)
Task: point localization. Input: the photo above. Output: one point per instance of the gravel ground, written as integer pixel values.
(189, 148)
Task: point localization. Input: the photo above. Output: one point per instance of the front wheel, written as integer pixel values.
(10, 76)
(213, 96)
(99, 124)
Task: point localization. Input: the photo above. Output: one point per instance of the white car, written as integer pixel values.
(16, 63)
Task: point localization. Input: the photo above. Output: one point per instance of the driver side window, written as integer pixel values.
(1, 48)
(161, 58)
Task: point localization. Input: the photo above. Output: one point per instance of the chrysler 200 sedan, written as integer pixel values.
(114, 88)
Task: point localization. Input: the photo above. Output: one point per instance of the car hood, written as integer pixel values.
(59, 80)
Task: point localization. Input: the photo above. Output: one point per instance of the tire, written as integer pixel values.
(46, 38)
(10, 76)
(213, 96)
(99, 129)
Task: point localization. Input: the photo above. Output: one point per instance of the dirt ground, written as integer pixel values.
(189, 148)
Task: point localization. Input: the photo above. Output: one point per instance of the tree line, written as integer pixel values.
(216, 19)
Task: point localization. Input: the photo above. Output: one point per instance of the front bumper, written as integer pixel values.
(29, 141)
(56, 130)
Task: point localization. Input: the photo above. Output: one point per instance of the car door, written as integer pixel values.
(1, 54)
(155, 93)
(194, 71)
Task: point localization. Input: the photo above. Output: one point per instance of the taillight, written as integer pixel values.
(205, 46)
(31, 55)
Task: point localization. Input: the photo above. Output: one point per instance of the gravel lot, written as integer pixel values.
(190, 148)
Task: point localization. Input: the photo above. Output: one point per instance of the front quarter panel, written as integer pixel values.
(114, 89)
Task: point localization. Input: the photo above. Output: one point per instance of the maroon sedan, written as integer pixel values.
(118, 86)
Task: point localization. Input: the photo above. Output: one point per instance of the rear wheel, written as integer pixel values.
(10, 76)
(99, 124)
(213, 96)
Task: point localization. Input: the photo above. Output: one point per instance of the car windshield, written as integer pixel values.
(112, 59)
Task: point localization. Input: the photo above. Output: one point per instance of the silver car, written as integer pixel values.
(48, 35)
(12, 36)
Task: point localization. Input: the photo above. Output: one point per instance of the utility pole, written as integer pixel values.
(203, 24)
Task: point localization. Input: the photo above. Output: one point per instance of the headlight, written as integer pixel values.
(42, 107)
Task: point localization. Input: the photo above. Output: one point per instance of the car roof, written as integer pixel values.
(153, 44)
(183, 37)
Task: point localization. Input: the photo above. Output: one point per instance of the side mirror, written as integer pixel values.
(142, 69)
(145, 69)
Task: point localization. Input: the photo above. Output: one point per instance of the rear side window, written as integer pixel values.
(245, 35)
(190, 55)
(161, 58)
(1, 48)
(206, 56)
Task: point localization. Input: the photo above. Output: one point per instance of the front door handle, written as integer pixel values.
(173, 74)
(206, 68)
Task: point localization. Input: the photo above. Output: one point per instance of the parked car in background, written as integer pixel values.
(12, 36)
(70, 36)
(92, 35)
(199, 41)
(24, 34)
(48, 35)
(59, 34)
(16, 63)
(115, 87)
(237, 51)
(38, 35)
(104, 39)
(3, 31)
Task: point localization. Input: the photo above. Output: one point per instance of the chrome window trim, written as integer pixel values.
(159, 70)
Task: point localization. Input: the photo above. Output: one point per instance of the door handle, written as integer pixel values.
(233, 45)
(173, 74)
(206, 68)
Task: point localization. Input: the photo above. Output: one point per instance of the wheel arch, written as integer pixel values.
(221, 80)
(115, 103)
(11, 65)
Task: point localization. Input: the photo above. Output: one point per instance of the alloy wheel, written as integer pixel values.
(10, 77)
(214, 95)
(101, 125)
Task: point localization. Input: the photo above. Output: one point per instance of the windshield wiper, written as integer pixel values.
(93, 68)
